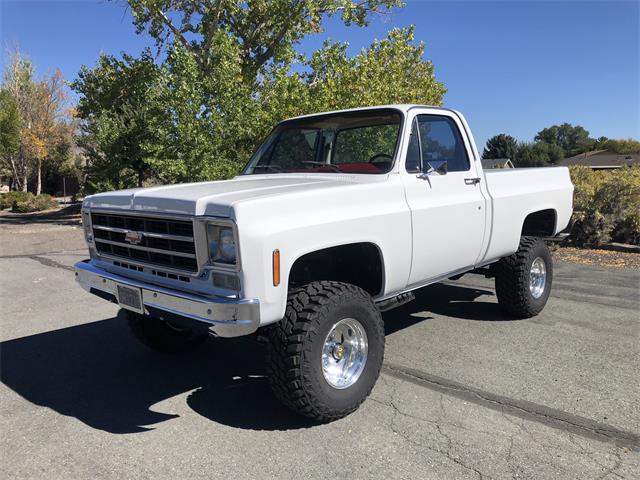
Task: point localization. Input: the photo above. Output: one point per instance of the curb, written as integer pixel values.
(619, 247)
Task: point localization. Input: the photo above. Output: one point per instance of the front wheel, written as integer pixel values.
(325, 355)
(523, 280)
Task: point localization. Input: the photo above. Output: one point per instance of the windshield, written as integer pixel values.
(352, 142)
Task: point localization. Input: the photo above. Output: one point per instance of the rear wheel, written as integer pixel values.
(523, 280)
(325, 355)
(161, 335)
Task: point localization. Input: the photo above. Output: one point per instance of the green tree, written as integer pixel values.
(553, 152)
(261, 31)
(196, 122)
(572, 139)
(391, 70)
(537, 154)
(599, 143)
(119, 107)
(9, 132)
(527, 157)
(501, 146)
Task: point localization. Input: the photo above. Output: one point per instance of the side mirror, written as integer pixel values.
(441, 169)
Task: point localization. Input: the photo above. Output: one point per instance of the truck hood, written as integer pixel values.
(217, 198)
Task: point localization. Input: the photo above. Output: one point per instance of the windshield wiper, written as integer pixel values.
(322, 164)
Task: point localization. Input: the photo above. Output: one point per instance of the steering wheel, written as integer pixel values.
(381, 155)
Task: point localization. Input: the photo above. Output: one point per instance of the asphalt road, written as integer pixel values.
(464, 392)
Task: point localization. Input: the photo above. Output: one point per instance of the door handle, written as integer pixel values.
(471, 181)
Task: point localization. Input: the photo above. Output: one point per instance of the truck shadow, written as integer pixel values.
(449, 300)
(97, 373)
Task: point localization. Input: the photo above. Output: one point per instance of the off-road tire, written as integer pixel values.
(161, 336)
(512, 279)
(295, 344)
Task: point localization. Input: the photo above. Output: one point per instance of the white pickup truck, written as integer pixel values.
(336, 217)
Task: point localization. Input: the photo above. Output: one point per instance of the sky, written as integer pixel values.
(510, 66)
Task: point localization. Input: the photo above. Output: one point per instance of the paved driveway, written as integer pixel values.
(464, 393)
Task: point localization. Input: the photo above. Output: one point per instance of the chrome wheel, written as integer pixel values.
(537, 277)
(344, 353)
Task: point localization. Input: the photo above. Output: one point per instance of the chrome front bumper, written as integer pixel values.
(224, 317)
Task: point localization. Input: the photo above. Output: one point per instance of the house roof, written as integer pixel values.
(602, 159)
(488, 163)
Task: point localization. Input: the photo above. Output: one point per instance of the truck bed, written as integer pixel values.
(515, 193)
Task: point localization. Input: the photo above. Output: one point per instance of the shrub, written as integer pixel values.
(7, 199)
(606, 206)
(34, 204)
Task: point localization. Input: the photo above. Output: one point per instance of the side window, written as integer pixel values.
(441, 142)
(412, 163)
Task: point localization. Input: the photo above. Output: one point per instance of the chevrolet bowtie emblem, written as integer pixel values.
(133, 237)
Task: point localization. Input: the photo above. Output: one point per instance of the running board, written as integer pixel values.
(393, 302)
(560, 237)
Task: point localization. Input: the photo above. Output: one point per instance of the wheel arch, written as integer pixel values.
(342, 263)
(540, 223)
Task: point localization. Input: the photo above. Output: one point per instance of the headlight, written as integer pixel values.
(86, 225)
(222, 244)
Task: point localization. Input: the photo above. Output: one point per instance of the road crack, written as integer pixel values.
(447, 453)
(519, 408)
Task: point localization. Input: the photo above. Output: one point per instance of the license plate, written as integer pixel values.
(130, 298)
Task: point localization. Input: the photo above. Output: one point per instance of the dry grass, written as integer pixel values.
(597, 258)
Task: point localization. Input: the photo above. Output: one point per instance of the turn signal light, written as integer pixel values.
(276, 268)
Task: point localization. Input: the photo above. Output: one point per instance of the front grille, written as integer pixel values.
(164, 242)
